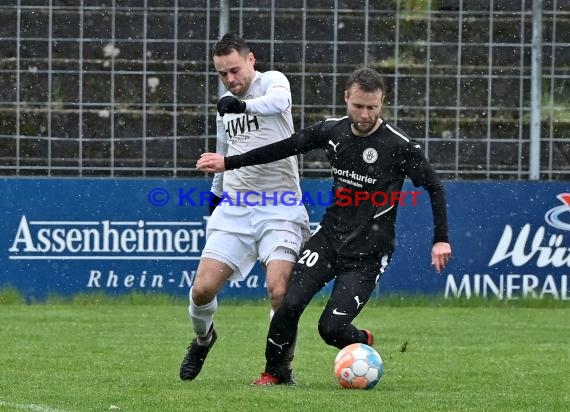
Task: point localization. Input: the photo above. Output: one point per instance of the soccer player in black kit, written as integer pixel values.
(370, 159)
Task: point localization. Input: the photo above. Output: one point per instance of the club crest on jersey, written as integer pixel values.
(370, 155)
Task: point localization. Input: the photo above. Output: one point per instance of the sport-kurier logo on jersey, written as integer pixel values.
(559, 216)
(106, 240)
(370, 155)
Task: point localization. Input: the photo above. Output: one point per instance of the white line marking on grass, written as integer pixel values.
(28, 407)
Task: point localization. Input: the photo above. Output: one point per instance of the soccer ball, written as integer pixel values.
(358, 366)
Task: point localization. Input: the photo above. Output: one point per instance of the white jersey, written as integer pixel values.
(267, 119)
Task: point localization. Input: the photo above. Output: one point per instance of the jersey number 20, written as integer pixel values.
(309, 258)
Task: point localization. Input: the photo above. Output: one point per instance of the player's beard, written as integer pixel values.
(239, 88)
(362, 127)
(236, 89)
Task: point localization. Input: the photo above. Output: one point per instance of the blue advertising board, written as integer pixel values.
(68, 236)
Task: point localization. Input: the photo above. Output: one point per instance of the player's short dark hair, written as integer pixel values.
(367, 79)
(228, 43)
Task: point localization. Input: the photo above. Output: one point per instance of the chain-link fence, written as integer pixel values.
(127, 88)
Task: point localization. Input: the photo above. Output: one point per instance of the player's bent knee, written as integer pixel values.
(328, 332)
(201, 295)
(277, 293)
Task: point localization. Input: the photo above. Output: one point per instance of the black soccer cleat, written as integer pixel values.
(195, 357)
(286, 377)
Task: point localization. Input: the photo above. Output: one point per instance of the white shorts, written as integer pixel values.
(239, 235)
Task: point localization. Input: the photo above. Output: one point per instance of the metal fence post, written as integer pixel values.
(223, 29)
(536, 91)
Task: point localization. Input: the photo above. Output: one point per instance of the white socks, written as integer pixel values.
(202, 318)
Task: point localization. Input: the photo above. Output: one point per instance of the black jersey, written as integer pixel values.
(368, 174)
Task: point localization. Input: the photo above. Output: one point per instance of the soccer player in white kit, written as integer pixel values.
(251, 221)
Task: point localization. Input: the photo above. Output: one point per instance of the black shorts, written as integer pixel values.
(319, 262)
(323, 251)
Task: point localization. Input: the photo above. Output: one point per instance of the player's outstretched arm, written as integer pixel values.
(301, 142)
(211, 163)
(440, 255)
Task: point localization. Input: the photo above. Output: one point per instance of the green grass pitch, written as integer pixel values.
(97, 355)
